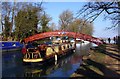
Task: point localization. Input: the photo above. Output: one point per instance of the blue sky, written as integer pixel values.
(54, 9)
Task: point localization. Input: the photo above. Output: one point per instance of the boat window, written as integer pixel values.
(27, 55)
(56, 48)
(60, 48)
(36, 55)
(39, 55)
(73, 45)
(68, 46)
(2, 44)
(14, 44)
(31, 50)
(63, 47)
(49, 51)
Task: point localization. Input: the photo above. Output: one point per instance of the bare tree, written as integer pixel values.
(6, 19)
(78, 25)
(66, 17)
(9, 10)
(92, 10)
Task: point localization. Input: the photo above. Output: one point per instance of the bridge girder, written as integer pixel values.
(64, 33)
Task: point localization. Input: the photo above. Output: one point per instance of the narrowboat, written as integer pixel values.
(44, 52)
(7, 46)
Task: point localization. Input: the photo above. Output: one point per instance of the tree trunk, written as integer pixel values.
(2, 26)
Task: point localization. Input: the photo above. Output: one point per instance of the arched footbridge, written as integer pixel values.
(64, 33)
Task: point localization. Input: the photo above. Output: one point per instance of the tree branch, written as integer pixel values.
(96, 16)
(112, 11)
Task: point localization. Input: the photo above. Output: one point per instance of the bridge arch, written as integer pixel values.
(64, 33)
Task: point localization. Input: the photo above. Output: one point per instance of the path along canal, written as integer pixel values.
(12, 65)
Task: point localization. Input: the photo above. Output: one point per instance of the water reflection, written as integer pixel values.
(12, 65)
(58, 68)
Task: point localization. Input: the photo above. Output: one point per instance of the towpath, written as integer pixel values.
(103, 62)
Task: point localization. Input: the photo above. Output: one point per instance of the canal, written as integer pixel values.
(12, 65)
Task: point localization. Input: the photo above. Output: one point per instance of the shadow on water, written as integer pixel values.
(88, 73)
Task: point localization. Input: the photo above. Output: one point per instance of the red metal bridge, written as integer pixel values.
(64, 33)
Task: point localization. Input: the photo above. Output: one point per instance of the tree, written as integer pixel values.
(92, 10)
(6, 19)
(45, 19)
(7, 29)
(11, 9)
(26, 21)
(69, 23)
(75, 25)
(65, 18)
(78, 25)
(87, 28)
(52, 27)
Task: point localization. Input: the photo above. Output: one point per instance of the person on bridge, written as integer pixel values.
(109, 40)
(114, 39)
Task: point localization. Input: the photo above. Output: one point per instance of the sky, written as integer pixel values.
(54, 9)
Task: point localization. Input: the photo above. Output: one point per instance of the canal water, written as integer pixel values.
(12, 65)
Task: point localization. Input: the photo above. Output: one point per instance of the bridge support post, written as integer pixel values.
(75, 42)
